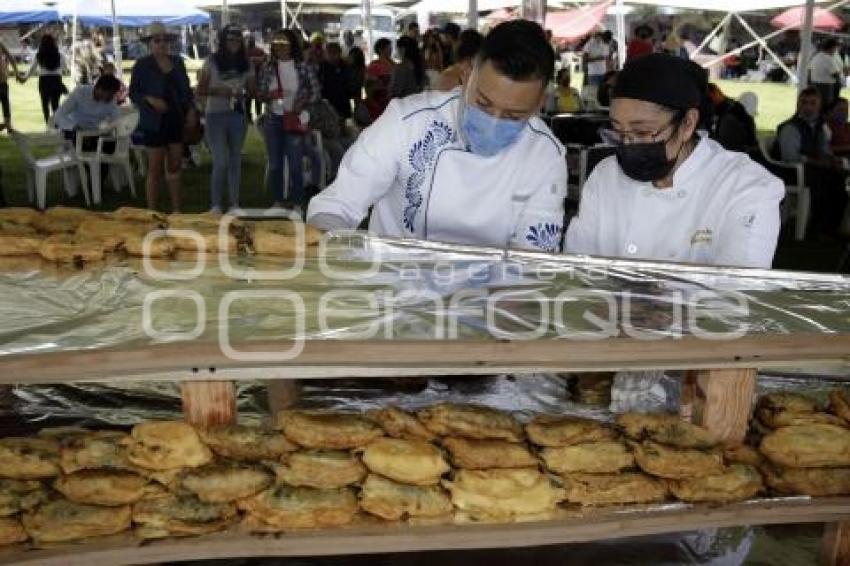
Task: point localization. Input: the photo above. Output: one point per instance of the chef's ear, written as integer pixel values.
(690, 123)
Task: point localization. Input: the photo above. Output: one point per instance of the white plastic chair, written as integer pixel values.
(38, 169)
(118, 132)
(798, 197)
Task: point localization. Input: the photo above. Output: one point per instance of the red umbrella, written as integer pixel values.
(822, 19)
(574, 24)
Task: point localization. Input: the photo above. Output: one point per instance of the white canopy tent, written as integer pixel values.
(734, 10)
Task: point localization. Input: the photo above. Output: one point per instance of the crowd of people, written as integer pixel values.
(299, 91)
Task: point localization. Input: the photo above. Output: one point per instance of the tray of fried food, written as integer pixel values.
(470, 421)
(503, 493)
(554, 431)
(414, 462)
(602, 457)
(321, 469)
(115, 233)
(71, 249)
(18, 239)
(283, 238)
(776, 410)
(62, 520)
(737, 482)
(166, 445)
(22, 216)
(174, 515)
(808, 446)
(104, 487)
(63, 219)
(399, 423)
(284, 507)
(395, 501)
(667, 429)
(327, 430)
(97, 449)
(203, 232)
(815, 482)
(20, 495)
(12, 531)
(614, 489)
(27, 458)
(670, 462)
(226, 481)
(473, 454)
(246, 443)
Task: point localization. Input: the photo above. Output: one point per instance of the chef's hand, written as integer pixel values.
(158, 104)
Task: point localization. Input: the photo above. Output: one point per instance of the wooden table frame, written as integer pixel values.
(720, 388)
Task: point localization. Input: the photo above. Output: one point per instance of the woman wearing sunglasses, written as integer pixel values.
(671, 193)
(160, 89)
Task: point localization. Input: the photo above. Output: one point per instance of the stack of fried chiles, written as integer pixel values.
(806, 450)
(80, 237)
(443, 463)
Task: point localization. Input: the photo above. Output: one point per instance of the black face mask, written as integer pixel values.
(645, 162)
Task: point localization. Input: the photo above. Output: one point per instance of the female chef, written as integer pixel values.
(470, 166)
(671, 193)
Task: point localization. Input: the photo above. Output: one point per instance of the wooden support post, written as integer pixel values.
(209, 402)
(724, 401)
(282, 394)
(836, 544)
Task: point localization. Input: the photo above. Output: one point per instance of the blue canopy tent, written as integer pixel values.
(14, 12)
(133, 13)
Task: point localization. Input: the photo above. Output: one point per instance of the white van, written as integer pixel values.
(383, 26)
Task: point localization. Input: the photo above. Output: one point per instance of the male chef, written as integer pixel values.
(470, 166)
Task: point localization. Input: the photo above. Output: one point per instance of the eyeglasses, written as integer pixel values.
(235, 38)
(618, 137)
(160, 39)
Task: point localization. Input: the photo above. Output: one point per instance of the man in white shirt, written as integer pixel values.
(825, 72)
(671, 193)
(597, 53)
(470, 166)
(89, 106)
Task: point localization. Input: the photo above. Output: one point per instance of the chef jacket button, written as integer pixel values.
(631, 249)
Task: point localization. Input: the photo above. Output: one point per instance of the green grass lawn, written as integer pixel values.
(27, 117)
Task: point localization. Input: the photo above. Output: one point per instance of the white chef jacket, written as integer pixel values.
(413, 166)
(723, 209)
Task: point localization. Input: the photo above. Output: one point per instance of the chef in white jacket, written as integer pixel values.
(471, 166)
(671, 193)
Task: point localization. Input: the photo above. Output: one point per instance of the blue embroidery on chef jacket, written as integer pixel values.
(546, 236)
(421, 158)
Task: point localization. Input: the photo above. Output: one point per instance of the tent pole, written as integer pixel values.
(472, 15)
(116, 42)
(225, 14)
(764, 46)
(74, 45)
(710, 36)
(805, 46)
(621, 34)
(366, 9)
(283, 13)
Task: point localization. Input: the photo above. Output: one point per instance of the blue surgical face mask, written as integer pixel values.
(487, 135)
